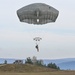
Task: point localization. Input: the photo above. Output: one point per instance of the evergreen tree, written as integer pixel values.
(53, 65)
(5, 62)
(29, 61)
(40, 63)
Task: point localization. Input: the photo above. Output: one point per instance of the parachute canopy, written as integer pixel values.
(37, 38)
(37, 13)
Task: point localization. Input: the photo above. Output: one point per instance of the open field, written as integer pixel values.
(42, 73)
(21, 69)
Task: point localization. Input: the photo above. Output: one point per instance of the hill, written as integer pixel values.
(24, 68)
(70, 65)
(65, 63)
(57, 61)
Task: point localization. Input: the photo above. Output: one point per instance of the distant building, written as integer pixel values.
(18, 62)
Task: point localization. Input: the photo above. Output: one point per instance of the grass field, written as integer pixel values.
(42, 73)
(21, 69)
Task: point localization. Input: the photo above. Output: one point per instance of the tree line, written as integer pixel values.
(40, 63)
(34, 61)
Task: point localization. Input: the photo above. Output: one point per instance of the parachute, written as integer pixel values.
(37, 13)
(37, 40)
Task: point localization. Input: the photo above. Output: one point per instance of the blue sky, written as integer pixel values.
(16, 38)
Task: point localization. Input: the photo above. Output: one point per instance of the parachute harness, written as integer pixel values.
(37, 39)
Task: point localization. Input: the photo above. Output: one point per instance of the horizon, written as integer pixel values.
(38, 58)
